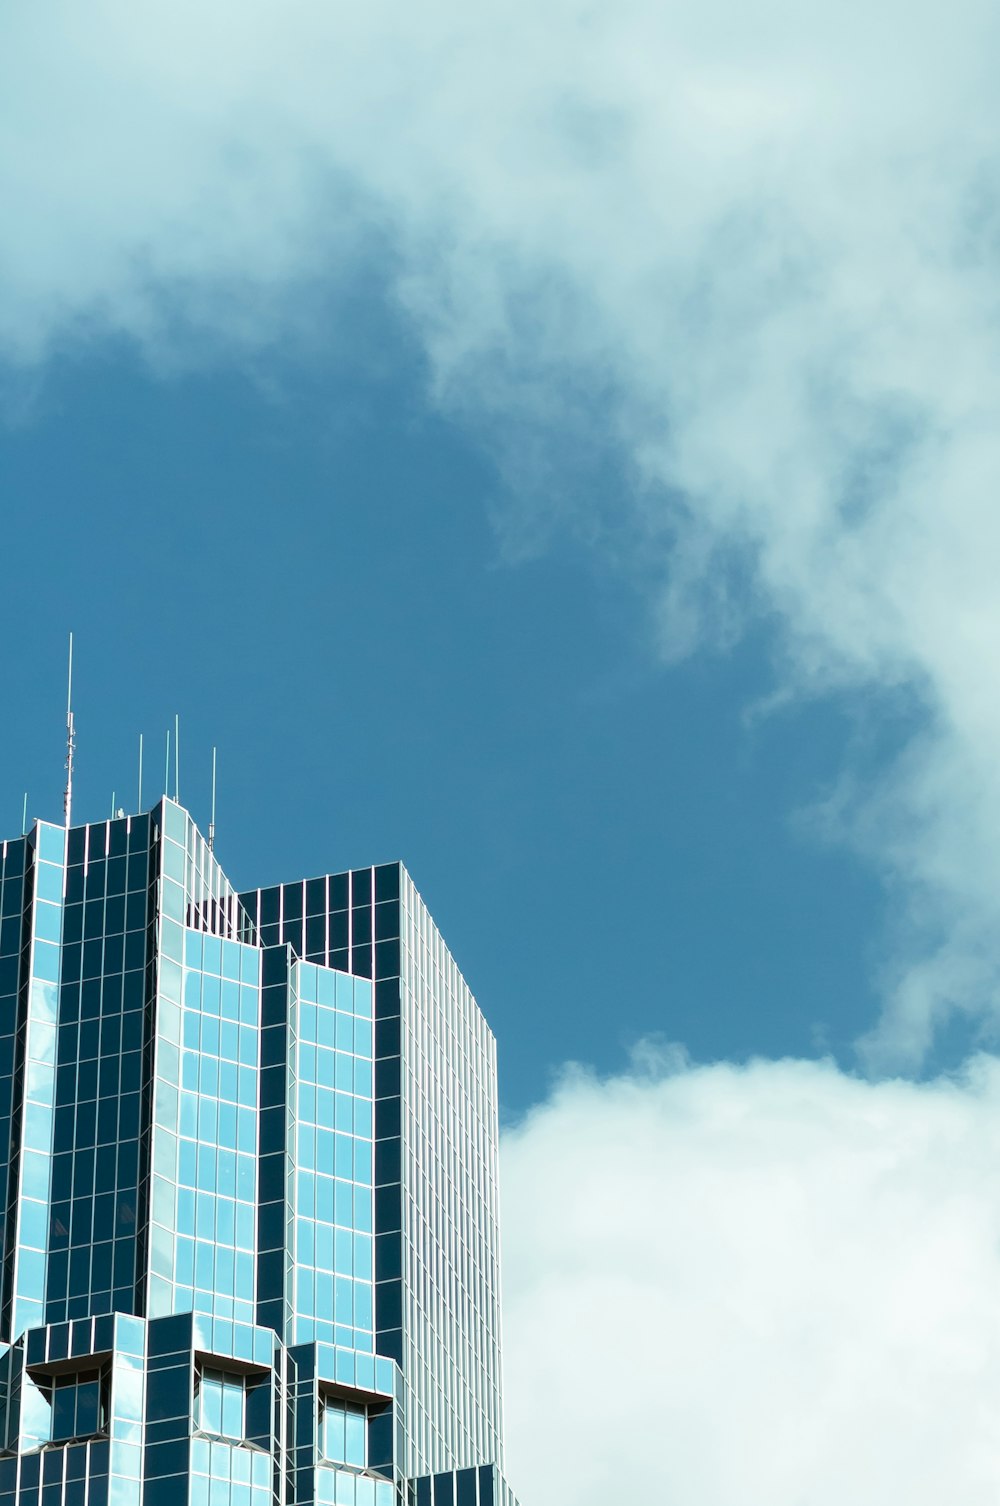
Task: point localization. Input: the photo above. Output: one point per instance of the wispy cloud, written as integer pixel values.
(753, 249)
(773, 1285)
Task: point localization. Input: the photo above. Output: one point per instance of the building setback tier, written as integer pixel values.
(248, 1145)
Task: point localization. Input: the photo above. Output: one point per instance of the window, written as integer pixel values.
(345, 1433)
(221, 1404)
(79, 1405)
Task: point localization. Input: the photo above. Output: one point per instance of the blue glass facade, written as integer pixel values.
(250, 1241)
(436, 1224)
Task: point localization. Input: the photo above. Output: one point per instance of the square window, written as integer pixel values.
(80, 1405)
(221, 1404)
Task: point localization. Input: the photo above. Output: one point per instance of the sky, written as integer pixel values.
(556, 445)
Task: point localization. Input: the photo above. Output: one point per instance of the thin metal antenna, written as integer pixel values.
(24, 815)
(166, 771)
(113, 794)
(70, 738)
(177, 757)
(211, 824)
(139, 807)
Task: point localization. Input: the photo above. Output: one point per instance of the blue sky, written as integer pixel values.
(555, 444)
(611, 844)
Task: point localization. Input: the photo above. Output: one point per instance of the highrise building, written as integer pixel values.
(250, 1238)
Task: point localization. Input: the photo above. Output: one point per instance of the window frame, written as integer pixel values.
(228, 1381)
(59, 1384)
(344, 1407)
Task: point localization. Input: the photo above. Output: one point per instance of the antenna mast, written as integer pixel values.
(70, 739)
(211, 824)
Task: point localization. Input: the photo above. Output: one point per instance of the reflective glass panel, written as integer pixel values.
(344, 1433)
(220, 1409)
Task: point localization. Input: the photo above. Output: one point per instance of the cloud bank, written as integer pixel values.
(754, 249)
(772, 1285)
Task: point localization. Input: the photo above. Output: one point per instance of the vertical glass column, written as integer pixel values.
(92, 1256)
(214, 1257)
(451, 1237)
(127, 1412)
(34, 1171)
(14, 859)
(330, 1176)
(272, 1160)
(172, 907)
(205, 1093)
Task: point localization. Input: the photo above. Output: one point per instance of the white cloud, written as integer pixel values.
(755, 247)
(774, 1285)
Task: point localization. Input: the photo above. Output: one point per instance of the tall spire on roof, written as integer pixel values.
(70, 738)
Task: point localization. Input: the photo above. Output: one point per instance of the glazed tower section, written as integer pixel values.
(250, 1240)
